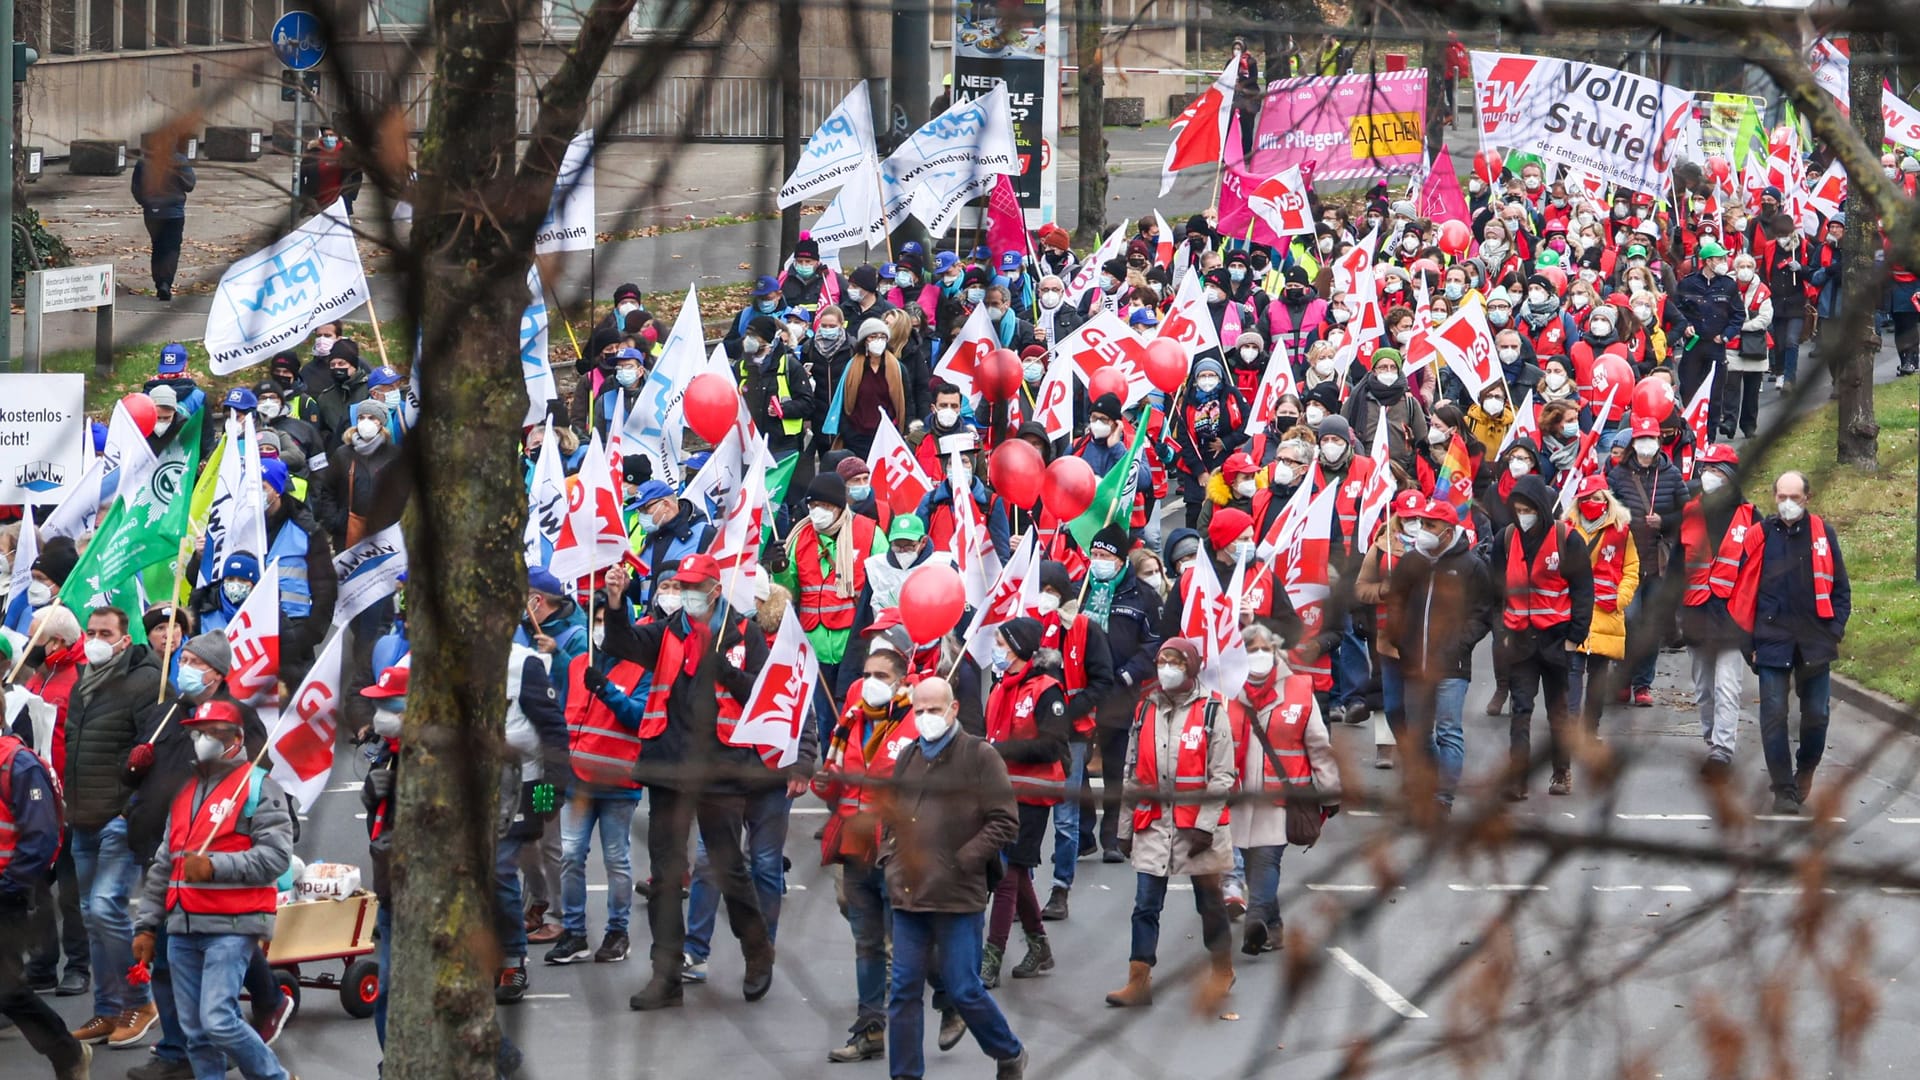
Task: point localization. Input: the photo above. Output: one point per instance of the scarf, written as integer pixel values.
(365, 447)
(1539, 317)
(837, 541)
(1387, 396)
(1263, 694)
(1100, 596)
(880, 725)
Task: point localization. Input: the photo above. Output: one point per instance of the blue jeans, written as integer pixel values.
(1642, 635)
(207, 972)
(1786, 345)
(578, 817)
(107, 874)
(1813, 682)
(507, 920)
(1393, 692)
(867, 914)
(1150, 898)
(1433, 714)
(1066, 818)
(766, 853)
(1351, 670)
(1263, 883)
(919, 939)
(262, 992)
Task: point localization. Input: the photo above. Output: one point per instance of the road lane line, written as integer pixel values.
(1903, 821)
(1664, 817)
(1321, 886)
(1900, 890)
(1797, 819)
(1388, 996)
(1497, 888)
(1673, 888)
(1778, 890)
(1618, 888)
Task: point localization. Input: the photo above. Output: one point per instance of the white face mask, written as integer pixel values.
(933, 723)
(1790, 509)
(1315, 414)
(1249, 353)
(1242, 550)
(670, 602)
(1425, 542)
(1214, 295)
(207, 748)
(1206, 386)
(1323, 367)
(160, 426)
(1711, 481)
(1493, 406)
(1519, 467)
(822, 517)
(1643, 312)
(1331, 452)
(1260, 664)
(387, 723)
(322, 345)
(1744, 274)
(39, 594)
(1526, 519)
(876, 346)
(1171, 676)
(1049, 603)
(599, 635)
(1508, 356)
(1387, 376)
(1646, 448)
(1245, 489)
(875, 692)
(946, 418)
(1100, 430)
(697, 605)
(367, 428)
(627, 307)
(268, 410)
(1284, 474)
(1556, 381)
(97, 651)
(1537, 298)
(1049, 300)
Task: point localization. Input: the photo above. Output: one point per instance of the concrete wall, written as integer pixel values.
(121, 95)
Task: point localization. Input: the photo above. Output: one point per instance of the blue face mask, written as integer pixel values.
(190, 680)
(1238, 274)
(829, 339)
(975, 295)
(903, 278)
(1002, 658)
(767, 304)
(806, 272)
(859, 492)
(1455, 290)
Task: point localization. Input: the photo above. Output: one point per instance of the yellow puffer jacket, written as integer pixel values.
(1607, 635)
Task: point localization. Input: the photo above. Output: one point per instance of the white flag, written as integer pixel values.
(570, 215)
(1087, 275)
(534, 364)
(546, 501)
(855, 218)
(898, 479)
(1002, 602)
(272, 299)
(971, 139)
(302, 749)
(19, 610)
(1212, 621)
(655, 425)
(1188, 321)
(236, 519)
(126, 455)
(593, 535)
(368, 572)
(778, 705)
(254, 639)
(841, 146)
(1525, 422)
(737, 548)
(970, 346)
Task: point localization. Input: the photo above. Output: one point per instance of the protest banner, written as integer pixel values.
(40, 437)
(1342, 127)
(1624, 128)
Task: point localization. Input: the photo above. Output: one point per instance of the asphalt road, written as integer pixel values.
(1581, 962)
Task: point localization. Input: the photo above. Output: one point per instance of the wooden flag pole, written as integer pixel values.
(379, 339)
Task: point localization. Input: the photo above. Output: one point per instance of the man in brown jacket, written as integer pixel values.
(948, 816)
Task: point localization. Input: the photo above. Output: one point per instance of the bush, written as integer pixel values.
(46, 250)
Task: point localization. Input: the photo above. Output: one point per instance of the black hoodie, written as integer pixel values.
(1548, 645)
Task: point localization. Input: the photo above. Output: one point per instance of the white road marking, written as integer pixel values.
(808, 810)
(1497, 888)
(1321, 886)
(355, 786)
(1618, 888)
(1797, 819)
(1778, 890)
(545, 997)
(1900, 890)
(1363, 813)
(1388, 996)
(1903, 821)
(1664, 817)
(1673, 888)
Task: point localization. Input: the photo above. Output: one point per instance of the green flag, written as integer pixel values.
(1113, 498)
(143, 528)
(1749, 139)
(779, 478)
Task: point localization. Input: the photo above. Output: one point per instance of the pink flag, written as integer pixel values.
(1440, 197)
(253, 637)
(1006, 222)
(771, 721)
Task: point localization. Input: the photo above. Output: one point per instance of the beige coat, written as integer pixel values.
(1257, 822)
(1157, 850)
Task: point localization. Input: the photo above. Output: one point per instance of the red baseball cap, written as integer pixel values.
(697, 568)
(1718, 454)
(1408, 504)
(1646, 425)
(1439, 510)
(391, 684)
(215, 712)
(1239, 463)
(1592, 485)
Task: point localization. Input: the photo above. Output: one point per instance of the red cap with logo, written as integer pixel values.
(391, 684)
(697, 568)
(215, 712)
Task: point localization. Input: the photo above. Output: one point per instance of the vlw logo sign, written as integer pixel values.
(39, 476)
(280, 286)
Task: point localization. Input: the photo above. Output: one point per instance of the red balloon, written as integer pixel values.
(711, 405)
(1718, 169)
(1488, 166)
(1069, 487)
(931, 602)
(1613, 373)
(1425, 266)
(140, 409)
(1555, 275)
(1017, 472)
(1107, 380)
(998, 374)
(1167, 364)
(1454, 238)
(1653, 397)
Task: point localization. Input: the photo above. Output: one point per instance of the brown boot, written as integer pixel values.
(1139, 988)
(1213, 989)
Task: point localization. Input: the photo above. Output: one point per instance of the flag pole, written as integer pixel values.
(278, 722)
(880, 191)
(733, 578)
(21, 660)
(564, 321)
(590, 591)
(379, 340)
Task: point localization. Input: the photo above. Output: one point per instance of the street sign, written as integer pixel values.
(297, 42)
(71, 288)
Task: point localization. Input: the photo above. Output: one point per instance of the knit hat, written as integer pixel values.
(1054, 575)
(1250, 337)
(1210, 366)
(764, 328)
(159, 614)
(163, 397)
(627, 291)
(828, 488)
(1112, 540)
(851, 467)
(57, 558)
(806, 247)
(1227, 525)
(1335, 426)
(1189, 653)
(1107, 405)
(1055, 238)
(273, 473)
(1386, 354)
(874, 328)
(1023, 636)
(212, 650)
(240, 565)
(866, 277)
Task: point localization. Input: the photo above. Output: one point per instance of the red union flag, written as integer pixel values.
(1054, 407)
(969, 348)
(1200, 131)
(897, 477)
(1212, 621)
(1277, 383)
(1501, 89)
(302, 754)
(1466, 345)
(771, 721)
(1281, 202)
(1104, 341)
(1188, 321)
(1829, 192)
(254, 639)
(1699, 417)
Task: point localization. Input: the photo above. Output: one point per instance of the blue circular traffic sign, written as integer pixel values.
(297, 41)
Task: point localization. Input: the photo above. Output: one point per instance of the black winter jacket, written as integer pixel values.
(1643, 489)
(100, 732)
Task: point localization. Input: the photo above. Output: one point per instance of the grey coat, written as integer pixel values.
(1156, 851)
(270, 826)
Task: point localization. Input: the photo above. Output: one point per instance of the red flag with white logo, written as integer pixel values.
(969, 348)
(1189, 322)
(1102, 342)
(1281, 201)
(897, 476)
(1699, 417)
(253, 637)
(302, 753)
(1200, 131)
(770, 722)
(1465, 343)
(1211, 620)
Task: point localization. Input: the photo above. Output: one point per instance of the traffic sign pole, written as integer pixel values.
(296, 41)
(6, 181)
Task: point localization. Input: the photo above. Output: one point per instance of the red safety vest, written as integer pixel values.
(1010, 717)
(1712, 575)
(1537, 597)
(1607, 553)
(667, 667)
(9, 832)
(1286, 731)
(819, 603)
(1746, 591)
(1346, 500)
(215, 830)
(1073, 654)
(840, 783)
(601, 750)
(1189, 768)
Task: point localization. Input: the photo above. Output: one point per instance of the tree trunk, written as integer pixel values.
(1091, 53)
(790, 133)
(1852, 343)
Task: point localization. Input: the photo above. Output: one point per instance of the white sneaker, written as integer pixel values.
(692, 970)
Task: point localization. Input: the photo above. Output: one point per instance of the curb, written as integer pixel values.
(1885, 709)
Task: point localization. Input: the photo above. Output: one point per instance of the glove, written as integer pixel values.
(195, 869)
(1199, 841)
(143, 944)
(595, 680)
(1126, 847)
(140, 759)
(380, 783)
(544, 798)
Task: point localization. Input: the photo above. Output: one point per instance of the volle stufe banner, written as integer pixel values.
(1625, 129)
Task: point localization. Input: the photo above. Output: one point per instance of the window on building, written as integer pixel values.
(400, 13)
(63, 31)
(233, 20)
(660, 15)
(567, 15)
(100, 19)
(265, 14)
(166, 24)
(134, 33)
(199, 22)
